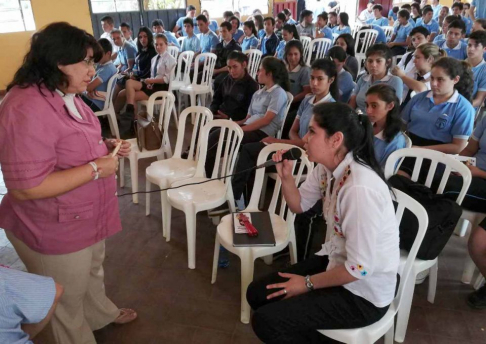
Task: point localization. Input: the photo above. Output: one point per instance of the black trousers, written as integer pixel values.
(297, 319)
(213, 139)
(475, 199)
(306, 226)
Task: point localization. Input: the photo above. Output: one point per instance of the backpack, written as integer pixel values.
(443, 216)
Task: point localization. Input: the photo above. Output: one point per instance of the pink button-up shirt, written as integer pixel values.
(38, 136)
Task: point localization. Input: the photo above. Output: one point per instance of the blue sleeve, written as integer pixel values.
(180, 22)
(105, 74)
(171, 38)
(479, 130)
(395, 29)
(434, 27)
(214, 41)
(390, 13)
(301, 107)
(397, 143)
(131, 52)
(409, 29)
(369, 21)
(463, 121)
(250, 108)
(481, 77)
(328, 34)
(357, 87)
(277, 102)
(419, 22)
(254, 43)
(347, 29)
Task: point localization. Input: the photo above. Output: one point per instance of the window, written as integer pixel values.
(105, 6)
(246, 7)
(15, 16)
(149, 5)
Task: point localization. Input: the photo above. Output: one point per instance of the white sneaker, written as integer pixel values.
(422, 276)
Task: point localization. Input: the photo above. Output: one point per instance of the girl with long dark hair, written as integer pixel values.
(342, 24)
(346, 41)
(250, 41)
(356, 270)
(289, 33)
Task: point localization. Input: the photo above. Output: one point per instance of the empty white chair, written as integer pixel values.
(173, 51)
(193, 199)
(254, 59)
(181, 78)
(388, 31)
(420, 265)
(282, 223)
(319, 46)
(108, 109)
(164, 172)
(163, 152)
(385, 326)
(364, 39)
(206, 62)
(306, 41)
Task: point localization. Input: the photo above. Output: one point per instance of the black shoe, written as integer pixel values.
(477, 300)
(126, 125)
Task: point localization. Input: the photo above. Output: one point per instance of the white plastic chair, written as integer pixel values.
(420, 265)
(385, 326)
(408, 141)
(388, 31)
(357, 26)
(254, 59)
(193, 199)
(180, 40)
(364, 39)
(181, 78)
(319, 46)
(163, 152)
(282, 223)
(206, 61)
(164, 172)
(173, 51)
(306, 41)
(108, 109)
(334, 37)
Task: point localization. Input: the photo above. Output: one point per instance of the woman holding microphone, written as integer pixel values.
(351, 282)
(61, 203)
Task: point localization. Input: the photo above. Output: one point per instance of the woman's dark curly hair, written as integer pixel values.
(56, 44)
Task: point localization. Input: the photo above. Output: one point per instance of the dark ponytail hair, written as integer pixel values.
(279, 71)
(453, 68)
(393, 119)
(292, 29)
(150, 40)
(329, 68)
(251, 25)
(344, 18)
(356, 129)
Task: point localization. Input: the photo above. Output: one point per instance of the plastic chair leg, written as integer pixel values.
(215, 259)
(148, 187)
(191, 238)
(462, 227)
(247, 267)
(122, 172)
(193, 103)
(404, 311)
(134, 176)
(433, 282)
(166, 215)
(389, 334)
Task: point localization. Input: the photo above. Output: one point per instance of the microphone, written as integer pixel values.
(291, 154)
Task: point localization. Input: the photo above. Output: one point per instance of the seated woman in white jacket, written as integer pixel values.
(352, 281)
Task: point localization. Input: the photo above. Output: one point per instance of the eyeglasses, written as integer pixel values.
(89, 62)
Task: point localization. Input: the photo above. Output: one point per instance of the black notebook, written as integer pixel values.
(261, 221)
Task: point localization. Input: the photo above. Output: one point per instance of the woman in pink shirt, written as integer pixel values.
(61, 203)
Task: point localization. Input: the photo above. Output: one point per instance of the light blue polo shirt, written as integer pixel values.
(327, 33)
(479, 73)
(458, 52)
(281, 49)
(275, 100)
(208, 41)
(306, 110)
(339, 31)
(180, 24)
(261, 33)
(364, 83)
(381, 38)
(345, 85)
(249, 43)
(191, 44)
(469, 23)
(393, 15)
(238, 33)
(380, 22)
(125, 53)
(171, 38)
(402, 32)
(480, 136)
(443, 122)
(436, 10)
(103, 72)
(480, 8)
(432, 25)
(213, 26)
(299, 77)
(383, 149)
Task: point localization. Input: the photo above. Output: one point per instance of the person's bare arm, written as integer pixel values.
(93, 84)
(479, 99)
(352, 102)
(455, 147)
(471, 148)
(305, 91)
(260, 123)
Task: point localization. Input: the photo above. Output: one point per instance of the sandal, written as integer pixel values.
(126, 315)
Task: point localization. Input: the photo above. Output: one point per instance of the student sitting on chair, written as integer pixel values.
(378, 19)
(399, 41)
(289, 33)
(108, 25)
(306, 27)
(158, 27)
(179, 29)
(191, 42)
(250, 40)
(476, 48)
(342, 24)
(235, 29)
(322, 30)
(345, 80)
(127, 33)
(269, 41)
(453, 44)
(429, 23)
(207, 38)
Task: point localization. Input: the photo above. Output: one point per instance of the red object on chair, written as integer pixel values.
(251, 230)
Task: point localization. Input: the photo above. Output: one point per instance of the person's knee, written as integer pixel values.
(477, 242)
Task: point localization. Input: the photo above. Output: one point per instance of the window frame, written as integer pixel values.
(22, 16)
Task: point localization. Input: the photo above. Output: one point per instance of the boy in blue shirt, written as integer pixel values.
(393, 14)
(191, 42)
(467, 18)
(179, 27)
(322, 31)
(436, 7)
(158, 27)
(476, 47)
(453, 44)
(429, 23)
(126, 52)
(269, 42)
(208, 38)
(400, 40)
(379, 19)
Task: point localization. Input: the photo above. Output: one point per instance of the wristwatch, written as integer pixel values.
(95, 174)
(308, 283)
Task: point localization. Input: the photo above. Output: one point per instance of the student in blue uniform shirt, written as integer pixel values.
(381, 38)
(445, 27)
(476, 47)
(322, 31)
(237, 32)
(158, 27)
(436, 7)
(178, 29)
(467, 18)
(213, 24)
(342, 24)
(429, 23)
(207, 38)
(408, 8)
(269, 42)
(379, 19)
(346, 42)
(478, 10)
(453, 45)
(288, 15)
(393, 13)
(345, 80)
(191, 42)
(378, 62)
(383, 110)
(289, 33)
(250, 40)
(441, 119)
(416, 13)
(399, 41)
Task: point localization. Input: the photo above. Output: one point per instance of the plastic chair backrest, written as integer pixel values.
(109, 92)
(180, 40)
(306, 41)
(166, 101)
(202, 116)
(334, 37)
(185, 58)
(405, 201)
(290, 99)
(254, 59)
(173, 51)
(388, 31)
(207, 61)
(277, 197)
(230, 136)
(320, 46)
(367, 38)
(435, 157)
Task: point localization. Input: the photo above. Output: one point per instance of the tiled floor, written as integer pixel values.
(178, 305)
